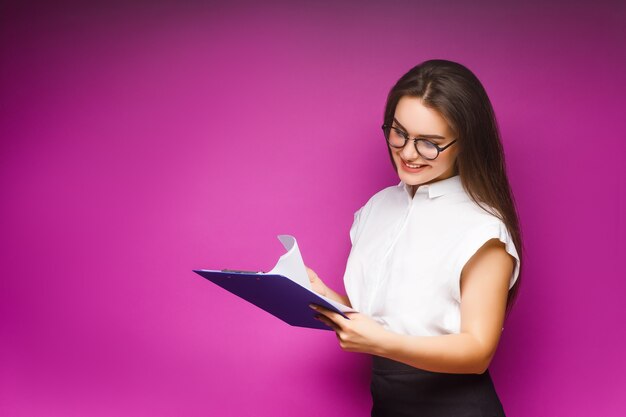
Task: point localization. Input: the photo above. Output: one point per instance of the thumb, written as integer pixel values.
(312, 275)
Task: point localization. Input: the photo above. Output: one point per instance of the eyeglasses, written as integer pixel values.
(397, 138)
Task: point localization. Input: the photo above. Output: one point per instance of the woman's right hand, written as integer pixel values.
(317, 284)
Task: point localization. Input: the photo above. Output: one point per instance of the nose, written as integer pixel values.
(409, 152)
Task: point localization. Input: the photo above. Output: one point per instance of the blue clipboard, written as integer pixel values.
(276, 294)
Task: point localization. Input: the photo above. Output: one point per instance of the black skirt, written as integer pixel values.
(400, 390)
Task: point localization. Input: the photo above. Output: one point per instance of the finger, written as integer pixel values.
(310, 272)
(336, 317)
(329, 315)
(327, 322)
(322, 315)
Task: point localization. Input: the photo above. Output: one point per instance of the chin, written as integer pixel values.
(417, 178)
(420, 178)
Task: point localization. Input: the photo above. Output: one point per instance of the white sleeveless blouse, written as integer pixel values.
(407, 255)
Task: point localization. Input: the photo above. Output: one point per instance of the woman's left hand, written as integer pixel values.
(359, 334)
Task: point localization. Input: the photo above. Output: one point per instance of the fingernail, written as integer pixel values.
(313, 306)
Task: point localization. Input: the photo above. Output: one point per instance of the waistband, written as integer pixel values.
(385, 365)
(380, 363)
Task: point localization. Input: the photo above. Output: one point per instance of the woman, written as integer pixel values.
(435, 261)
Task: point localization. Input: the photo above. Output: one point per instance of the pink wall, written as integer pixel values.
(141, 140)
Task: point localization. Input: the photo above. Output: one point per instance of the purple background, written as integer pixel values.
(142, 140)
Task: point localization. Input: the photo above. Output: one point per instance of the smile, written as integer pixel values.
(412, 167)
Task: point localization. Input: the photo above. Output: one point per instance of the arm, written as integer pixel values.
(319, 287)
(484, 289)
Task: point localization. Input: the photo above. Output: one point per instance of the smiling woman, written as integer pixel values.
(426, 161)
(435, 261)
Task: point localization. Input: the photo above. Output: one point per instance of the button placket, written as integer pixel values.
(375, 294)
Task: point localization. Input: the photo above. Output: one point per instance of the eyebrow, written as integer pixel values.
(419, 136)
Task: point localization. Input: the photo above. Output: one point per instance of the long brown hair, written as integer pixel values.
(458, 96)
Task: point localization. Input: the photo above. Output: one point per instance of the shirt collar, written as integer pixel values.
(437, 189)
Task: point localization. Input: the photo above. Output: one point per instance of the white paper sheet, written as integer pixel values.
(292, 266)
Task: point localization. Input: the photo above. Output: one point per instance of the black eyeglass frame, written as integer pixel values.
(406, 137)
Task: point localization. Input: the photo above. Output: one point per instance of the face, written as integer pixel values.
(418, 120)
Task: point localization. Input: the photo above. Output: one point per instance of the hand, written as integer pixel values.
(359, 334)
(317, 284)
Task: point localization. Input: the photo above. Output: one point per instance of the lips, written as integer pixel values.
(412, 167)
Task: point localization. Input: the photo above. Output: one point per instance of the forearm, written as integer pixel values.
(454, 353)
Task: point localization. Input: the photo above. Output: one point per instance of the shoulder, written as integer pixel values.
(479, 223)
(374, 203)
(385, 193)
(485, 234)
(465, 213)
(383, 196)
